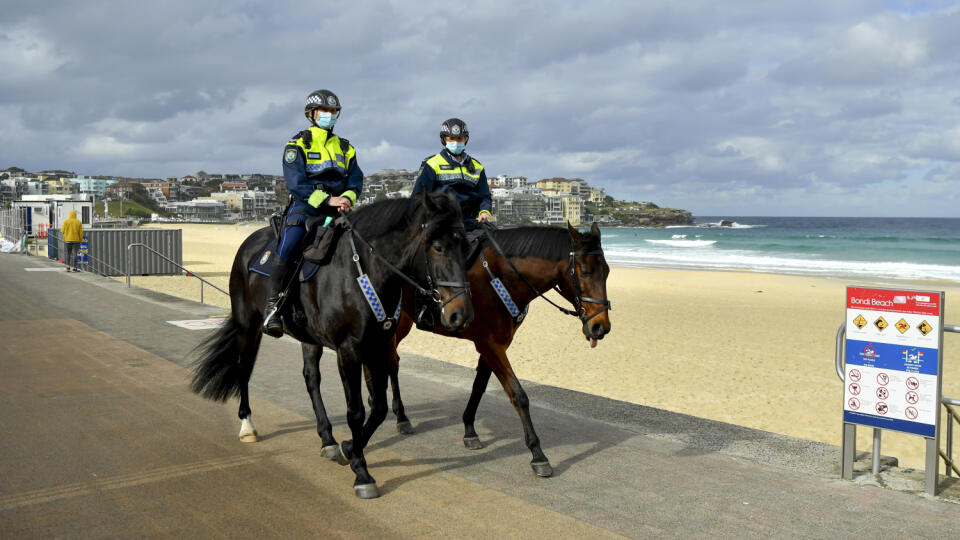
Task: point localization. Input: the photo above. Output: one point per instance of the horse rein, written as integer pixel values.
(580, 298)
(433, 293)
(580, 311)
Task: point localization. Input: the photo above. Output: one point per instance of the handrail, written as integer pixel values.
(948, 455)
(162, 256)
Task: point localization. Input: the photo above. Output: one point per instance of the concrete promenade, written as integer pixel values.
(101, 437)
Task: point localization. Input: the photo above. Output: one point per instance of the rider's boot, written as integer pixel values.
(272, 325)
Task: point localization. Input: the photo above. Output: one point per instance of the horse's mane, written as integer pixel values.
(544, 241)
(381, 217)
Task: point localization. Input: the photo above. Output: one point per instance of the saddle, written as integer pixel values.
(320, 241)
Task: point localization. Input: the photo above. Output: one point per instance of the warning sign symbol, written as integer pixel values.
(925, 328)
(912, 397)
(913, 383)
(854, 403)
(910, 413)
(882, 408)
(854, 389)
(860, 322)
(881, 324)
(883, 393)
(903, 326)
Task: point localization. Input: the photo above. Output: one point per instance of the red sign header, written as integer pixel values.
(912, 302)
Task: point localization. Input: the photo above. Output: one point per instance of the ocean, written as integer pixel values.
(872, 249)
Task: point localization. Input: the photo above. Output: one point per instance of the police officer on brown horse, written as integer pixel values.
(453, 170)
(324, 179)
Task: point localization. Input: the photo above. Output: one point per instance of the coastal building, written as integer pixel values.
(62, 186)
(92, 186)
(163, 187)
(562, 209)
(597, 196)
(507, 182)
(198, 210)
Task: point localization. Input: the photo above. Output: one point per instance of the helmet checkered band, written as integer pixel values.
(317, 99)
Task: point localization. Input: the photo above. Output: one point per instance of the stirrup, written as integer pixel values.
(272, 325)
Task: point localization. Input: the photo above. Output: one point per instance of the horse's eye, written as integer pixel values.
(438, 247)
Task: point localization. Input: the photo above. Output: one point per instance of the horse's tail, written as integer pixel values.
(218, 368)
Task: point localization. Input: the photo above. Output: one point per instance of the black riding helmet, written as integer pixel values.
(321, 98)
(454, 127)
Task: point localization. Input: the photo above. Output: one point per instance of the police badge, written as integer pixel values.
(290, 155)
(265, 258)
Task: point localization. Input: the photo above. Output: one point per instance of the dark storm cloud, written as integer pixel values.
(745, 107)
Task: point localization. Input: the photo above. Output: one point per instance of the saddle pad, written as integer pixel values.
(264, 264)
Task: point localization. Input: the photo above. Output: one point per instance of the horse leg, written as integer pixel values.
(248, 344)
(403, 423)
(365, 487)
(496, 359)
(470, 438)
(311, 376)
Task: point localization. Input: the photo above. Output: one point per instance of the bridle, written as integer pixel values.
(579, 298)
(580, 312)
(431, 291)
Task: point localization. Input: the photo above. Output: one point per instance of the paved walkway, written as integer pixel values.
(103, 438)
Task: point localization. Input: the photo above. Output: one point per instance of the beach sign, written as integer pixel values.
(893, 364)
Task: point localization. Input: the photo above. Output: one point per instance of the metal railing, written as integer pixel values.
(158, 254)
(946, 401)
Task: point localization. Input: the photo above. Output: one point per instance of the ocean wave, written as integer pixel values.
(733, 225)
(744, 260)
(683, 243)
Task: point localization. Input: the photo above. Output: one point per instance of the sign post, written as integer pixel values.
(893, 361)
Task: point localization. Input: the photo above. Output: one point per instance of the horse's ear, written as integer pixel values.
(595, 229)
(575, 235)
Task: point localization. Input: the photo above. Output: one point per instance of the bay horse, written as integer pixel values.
(422, 236)
(527, 261)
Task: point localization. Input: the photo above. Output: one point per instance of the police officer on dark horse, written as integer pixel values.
(418, 241)
(323, 177)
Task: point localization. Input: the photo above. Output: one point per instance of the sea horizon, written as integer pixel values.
(893, 250)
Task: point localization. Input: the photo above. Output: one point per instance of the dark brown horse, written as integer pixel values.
(420, 237)
(528, 261)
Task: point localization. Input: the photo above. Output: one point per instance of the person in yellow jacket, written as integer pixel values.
(72, 231)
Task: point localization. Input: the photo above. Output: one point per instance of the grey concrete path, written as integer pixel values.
(102, 438)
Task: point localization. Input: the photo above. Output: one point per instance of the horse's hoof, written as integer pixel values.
(405, 427)
(332, 453)
(249, 437)
(341, 458)
(472, 443)
(366, 491)
(542, 469)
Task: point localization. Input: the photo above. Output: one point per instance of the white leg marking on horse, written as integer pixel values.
(247, 431)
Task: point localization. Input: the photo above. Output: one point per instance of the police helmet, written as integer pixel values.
(453, 127)
(321, 98)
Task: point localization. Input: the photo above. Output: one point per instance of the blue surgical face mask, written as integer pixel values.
(455, 147)
(326, 120)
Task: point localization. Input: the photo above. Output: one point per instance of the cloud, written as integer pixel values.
(715, 107)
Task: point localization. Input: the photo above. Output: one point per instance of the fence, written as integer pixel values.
(12, 226)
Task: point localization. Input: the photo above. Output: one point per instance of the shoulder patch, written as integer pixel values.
(290, 155)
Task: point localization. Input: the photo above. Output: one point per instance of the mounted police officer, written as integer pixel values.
(453, 170)
(323, 177)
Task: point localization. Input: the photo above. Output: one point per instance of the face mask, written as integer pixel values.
(326, 120)
(455, 147)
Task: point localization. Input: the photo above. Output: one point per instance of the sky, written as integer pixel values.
(813, 108)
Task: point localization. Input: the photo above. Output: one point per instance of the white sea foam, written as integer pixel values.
(683, 243)
(743, 260)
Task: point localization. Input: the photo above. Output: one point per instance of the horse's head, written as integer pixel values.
(584, 282)
(441, 240)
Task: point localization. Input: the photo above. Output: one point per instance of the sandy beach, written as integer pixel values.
(751, 349)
